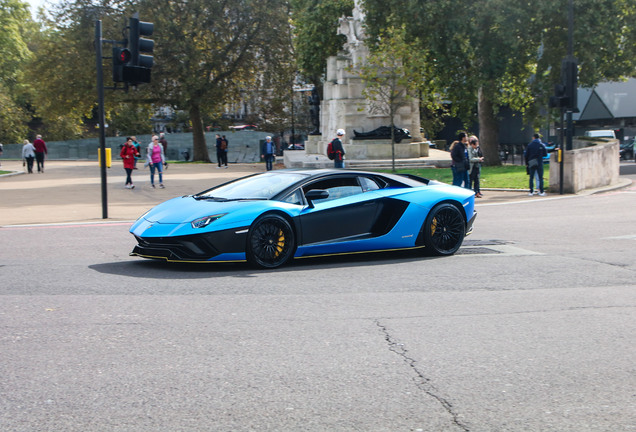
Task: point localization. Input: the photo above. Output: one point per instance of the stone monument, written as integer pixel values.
(344, 107)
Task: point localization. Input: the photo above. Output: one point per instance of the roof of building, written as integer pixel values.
(608, 100)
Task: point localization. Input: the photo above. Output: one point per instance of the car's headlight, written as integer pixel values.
(205, 221)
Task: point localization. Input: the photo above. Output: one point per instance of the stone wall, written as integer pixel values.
(586, 167)
(369, 149)
(244, 147)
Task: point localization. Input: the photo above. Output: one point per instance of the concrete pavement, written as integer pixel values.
(70, 191)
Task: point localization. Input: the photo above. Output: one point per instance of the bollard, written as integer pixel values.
(108, 157)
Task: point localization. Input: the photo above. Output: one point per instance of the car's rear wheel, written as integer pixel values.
(444, 230)
(270, 242)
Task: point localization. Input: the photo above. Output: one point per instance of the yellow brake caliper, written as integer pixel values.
(281, 243)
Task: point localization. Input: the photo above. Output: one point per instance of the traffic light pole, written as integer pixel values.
(100, 114)
(562, 144)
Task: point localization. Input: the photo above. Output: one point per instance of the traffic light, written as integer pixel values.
(141, 64)
(559, 100)
(569, 76)
(121, 58)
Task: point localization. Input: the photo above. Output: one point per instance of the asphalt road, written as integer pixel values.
(530, 327)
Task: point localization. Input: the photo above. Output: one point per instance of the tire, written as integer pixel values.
(270, 242)
(444, 230)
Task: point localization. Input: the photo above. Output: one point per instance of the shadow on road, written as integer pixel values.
(149, 269)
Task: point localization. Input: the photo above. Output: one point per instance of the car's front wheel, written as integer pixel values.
(270, 242)
(444, 230)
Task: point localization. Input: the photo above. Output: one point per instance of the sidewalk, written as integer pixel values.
(70, 191)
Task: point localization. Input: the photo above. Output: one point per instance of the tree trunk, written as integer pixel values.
(200, 149)
(488, 130)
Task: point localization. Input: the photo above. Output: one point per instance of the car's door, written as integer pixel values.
(349, 212)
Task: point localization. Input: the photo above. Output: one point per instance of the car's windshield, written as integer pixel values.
(261, 186)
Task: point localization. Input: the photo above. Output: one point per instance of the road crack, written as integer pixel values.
(422, 382)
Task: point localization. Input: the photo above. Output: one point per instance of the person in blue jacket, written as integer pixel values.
(535, 153)
(267, 152)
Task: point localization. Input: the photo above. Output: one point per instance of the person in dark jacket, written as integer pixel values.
(535, 153)
(221, 151)
(460, 164)
(267, 152)
(338, 149)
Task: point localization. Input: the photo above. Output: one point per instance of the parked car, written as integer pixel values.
(601, 134)
(627, 149)
(270, 218)
(244, 128)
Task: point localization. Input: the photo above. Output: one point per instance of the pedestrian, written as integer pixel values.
(267, 152)
(226, 145)
(221, 151)
(28, 155)
(155, 159)
(460, 164)
(128, 154)
(475, 157)
(1, 151)
(534, 154)
(40, 152)
(164, 144)
(337, 150)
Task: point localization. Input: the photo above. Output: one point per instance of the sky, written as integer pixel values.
(35, 4)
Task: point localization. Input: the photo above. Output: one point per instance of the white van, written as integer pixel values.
(600, 134)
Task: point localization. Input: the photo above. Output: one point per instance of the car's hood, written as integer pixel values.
(186, 209)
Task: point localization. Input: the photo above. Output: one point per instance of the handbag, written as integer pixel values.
(533, 163)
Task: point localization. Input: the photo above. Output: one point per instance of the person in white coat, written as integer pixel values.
(28, 155)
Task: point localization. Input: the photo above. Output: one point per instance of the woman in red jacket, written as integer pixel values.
(128, 154)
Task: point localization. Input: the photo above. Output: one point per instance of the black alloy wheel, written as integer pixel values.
(444, 230)
(270, 242)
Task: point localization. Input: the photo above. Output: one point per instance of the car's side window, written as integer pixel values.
(295, 197)
(338, 187)
(368, 184)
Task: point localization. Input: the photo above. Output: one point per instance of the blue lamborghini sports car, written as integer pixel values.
(269, 218)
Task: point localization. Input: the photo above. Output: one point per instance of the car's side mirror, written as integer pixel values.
(316, 194)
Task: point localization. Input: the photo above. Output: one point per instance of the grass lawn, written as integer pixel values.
(501, 177)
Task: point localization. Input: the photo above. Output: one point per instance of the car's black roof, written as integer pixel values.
(406, 180)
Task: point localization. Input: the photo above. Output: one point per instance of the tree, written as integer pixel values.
(62, 71)
(206, 52)
(315, 23)
(15, 23)
(391, 75)
(491, 53)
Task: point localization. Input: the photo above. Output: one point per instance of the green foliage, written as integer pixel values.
(391, 72)
(207, 52)
(391, 75)
(14, 19)
(315, 28)
(13, 119)
(498, 52)
(15, 23)
(62, 71)
(128, 119)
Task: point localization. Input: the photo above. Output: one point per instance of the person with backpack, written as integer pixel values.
(221, 151)
(534, 154)
(335, 150)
